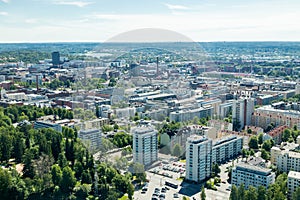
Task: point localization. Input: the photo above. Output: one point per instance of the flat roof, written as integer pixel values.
(253, 169)
(293, 174)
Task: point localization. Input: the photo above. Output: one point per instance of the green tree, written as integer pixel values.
(139, 172)
(267, 145)
(62, 160)
(249, 131)
(19, 148)
(286, 135)
(86, 177)
(5, 183)
(253, 142)
(241, 192)
(281, 181)
(177, 150)
(215, 169)
(78, 168)
(203, 195)
(260, 138)
(296, 194)
(68, 180)
(261, 193)
(264, 154)
(234, 194)
(28, 169)
(5, 146)
(251, 194)
(56, 174)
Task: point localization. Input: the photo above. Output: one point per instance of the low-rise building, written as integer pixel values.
(277, 150)
(47, 124)
(276, 134)
(190, 114)
(250, 175)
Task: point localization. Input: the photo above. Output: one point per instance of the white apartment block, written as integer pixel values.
(242, 110)
(293, 183)
(278, 150)
(251, 175)
(190, 114)
(226, 148)
(287, 161)
(198, 158)
(145, 144)
(91, 137)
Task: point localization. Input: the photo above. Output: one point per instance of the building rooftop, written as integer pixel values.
(196, 139)
(253, 169)
(293, 174)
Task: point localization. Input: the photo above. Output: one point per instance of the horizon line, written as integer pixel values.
(141, 42)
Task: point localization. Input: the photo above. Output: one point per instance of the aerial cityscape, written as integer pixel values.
(166, 100)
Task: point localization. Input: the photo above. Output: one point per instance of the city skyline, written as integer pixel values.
(98, 21)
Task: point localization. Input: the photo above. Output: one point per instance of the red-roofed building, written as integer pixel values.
(276, 134)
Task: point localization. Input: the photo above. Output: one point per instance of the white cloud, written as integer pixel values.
(176, 7)
(5, 1)
(3, 13)
(73, 3)
(31, 21)
(105, 16)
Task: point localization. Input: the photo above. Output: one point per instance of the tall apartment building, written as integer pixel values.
(242, 110)
(293, 183)
(198, 158)
(251, 175)
(202, 152)
(226, 148)
(287, 161)
(145, 144)
(92, 137)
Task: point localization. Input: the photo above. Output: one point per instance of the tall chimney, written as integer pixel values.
(156, 66)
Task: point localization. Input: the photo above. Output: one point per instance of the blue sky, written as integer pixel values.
(99, 20)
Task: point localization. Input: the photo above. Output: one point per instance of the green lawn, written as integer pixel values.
(125, 197)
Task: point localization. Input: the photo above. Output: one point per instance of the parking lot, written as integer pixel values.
(172, 172)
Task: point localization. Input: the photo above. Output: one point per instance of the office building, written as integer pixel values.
(145, 146)
(293, 183)
(251, 175)
(55, 58)
(198, 158)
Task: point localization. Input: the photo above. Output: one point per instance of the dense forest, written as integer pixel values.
(46, 164)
